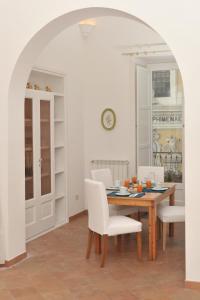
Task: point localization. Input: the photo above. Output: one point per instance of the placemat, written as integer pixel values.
(145, 190)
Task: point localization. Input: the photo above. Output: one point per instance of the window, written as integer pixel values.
(161, 83)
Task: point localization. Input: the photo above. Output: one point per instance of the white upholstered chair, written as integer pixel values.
(170, 214)
(166, 214)
(105, 176)
(153, 173)
(99, 221)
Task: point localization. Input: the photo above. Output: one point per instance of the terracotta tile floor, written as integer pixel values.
(56, 269)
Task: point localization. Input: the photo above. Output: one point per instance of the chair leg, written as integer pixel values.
(119, 242)
(97, 243)
(104, 249)
(164, 235)
(89, 246)
(139, 244)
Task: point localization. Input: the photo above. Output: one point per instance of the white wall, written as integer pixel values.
(39, 22)
(98, 76)
(66, 56)
(110, 83)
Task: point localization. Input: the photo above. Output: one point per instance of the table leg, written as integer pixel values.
(171, 225)
(152, 233)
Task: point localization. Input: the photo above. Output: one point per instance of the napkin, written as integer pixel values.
(137, 195)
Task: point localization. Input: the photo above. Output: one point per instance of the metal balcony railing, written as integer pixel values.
(172, 163)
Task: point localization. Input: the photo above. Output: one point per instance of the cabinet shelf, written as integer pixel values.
(59, 146)
(29, 178)
(28, 122)
(59, 171)
(45, 174)
(59, 196)
(58, 120)
(56, 94)
(44, 120)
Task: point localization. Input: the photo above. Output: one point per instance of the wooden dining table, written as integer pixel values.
(150, 200)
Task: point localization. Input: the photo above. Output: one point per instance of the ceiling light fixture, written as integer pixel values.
(86, 26)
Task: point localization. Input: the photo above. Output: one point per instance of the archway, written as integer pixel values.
(16, 92)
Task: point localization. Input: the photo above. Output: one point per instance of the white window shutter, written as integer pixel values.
(144, 123)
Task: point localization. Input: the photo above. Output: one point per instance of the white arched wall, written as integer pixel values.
(25, 30)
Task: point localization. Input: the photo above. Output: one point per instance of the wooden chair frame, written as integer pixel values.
(101, 245)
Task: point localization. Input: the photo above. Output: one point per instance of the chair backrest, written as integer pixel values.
(103, 175)
(98, 213)
(152, 173)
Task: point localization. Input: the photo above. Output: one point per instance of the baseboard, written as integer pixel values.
(82, 213)
(13, 261)
(192, 285)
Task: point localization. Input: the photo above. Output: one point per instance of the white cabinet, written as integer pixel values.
(45, 165)
(39, 162)
(60, 161)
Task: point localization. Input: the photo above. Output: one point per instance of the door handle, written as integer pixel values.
(40, 161)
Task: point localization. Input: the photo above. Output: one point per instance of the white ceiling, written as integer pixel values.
(109, 33)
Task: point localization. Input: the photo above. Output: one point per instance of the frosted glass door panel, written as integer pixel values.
(45, 142)
(28, 113)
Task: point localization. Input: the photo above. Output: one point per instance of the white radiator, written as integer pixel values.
(119, 168)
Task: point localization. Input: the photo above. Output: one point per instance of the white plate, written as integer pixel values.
(123, 194)
(113, 188)
(109, 192)
(159, 188)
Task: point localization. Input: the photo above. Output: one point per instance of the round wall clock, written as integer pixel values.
(108, 119)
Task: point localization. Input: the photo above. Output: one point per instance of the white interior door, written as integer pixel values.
(40, 205)
(144, 124)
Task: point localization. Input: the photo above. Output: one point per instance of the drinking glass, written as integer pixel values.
(126, 183)
(148, 183)
(139, 188)
(134, 179)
